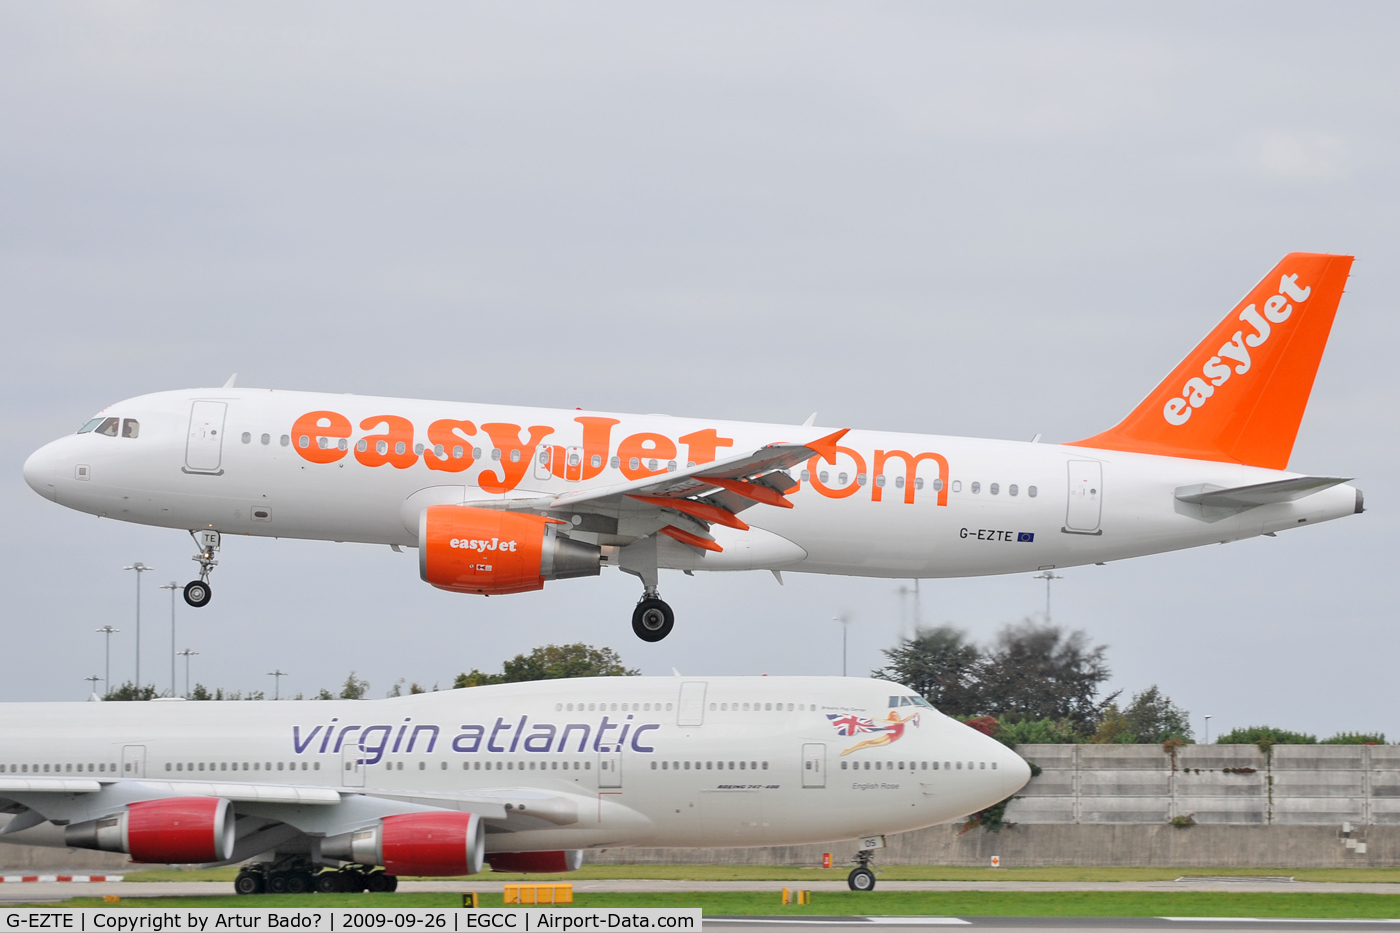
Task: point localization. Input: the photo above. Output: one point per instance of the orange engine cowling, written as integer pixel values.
(493, 552)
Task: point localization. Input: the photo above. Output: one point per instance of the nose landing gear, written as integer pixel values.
(198, 592)
(861, 877)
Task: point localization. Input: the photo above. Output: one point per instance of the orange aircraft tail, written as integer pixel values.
(1239, 396)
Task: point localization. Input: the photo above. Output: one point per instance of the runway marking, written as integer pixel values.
(1269, 920)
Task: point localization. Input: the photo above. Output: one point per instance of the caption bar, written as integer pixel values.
(345, 920)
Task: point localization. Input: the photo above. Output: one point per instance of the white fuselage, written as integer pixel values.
(602, 761)
(966, 507)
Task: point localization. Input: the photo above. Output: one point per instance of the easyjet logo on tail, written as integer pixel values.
(1217, 371)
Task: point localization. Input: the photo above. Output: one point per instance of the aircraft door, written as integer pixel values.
(691, 711)
(573, 464)
(1085, 497)
(205, 444)
(814, 765)
(543, 460)
(352, 766)
(133, 761)
(609, 769)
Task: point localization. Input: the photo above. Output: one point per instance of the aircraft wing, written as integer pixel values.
(684, 504)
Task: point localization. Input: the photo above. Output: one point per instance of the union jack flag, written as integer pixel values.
(850, 724)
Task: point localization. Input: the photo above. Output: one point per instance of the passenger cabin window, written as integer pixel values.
(266, 439)
(1030, 491)
(108, 427)
(131, 428)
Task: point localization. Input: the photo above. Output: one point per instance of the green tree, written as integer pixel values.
(1355, 738)
(1112, 727)
(1036, 671)
(552, 662)
(1265, 736)
(354, 689)
(201, 692)
(1153, 718)
(1038, 732)
(129, 691)
(939, 664)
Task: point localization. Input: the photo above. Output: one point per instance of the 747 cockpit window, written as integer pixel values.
(108, 427)
(910, 701)
(90, 425)
(131, 428)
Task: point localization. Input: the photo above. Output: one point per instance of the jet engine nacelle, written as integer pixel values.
(493, 552)
(172, 829)
(533, 862)
(445, 843)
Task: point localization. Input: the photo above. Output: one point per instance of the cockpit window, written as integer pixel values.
(131, 428)
(109, 427)
(90, 425)
(920, 701)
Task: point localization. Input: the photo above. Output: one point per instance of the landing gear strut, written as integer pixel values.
(652, 620)
(198, 592)
(861, 877)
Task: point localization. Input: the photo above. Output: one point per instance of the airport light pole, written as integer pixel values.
(172, 586)
(187, 654)
(93, 680)
(109, 631)
(1047, 576)
(140, 568)
(845, 620)
(277, 675)
(1208, 719)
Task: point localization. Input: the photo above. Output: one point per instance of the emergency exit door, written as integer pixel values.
(133, 761)
(1085, 497)
(814, 765)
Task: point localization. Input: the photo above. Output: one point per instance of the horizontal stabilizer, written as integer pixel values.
(1247, 497)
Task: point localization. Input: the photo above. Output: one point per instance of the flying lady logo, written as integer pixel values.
(1216, 371)
(883, 731)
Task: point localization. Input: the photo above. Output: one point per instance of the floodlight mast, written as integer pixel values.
(140, 568)
(109, 631)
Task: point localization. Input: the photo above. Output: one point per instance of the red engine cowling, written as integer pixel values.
(172, 829)
(537, 862)
(434, 843)
(493, 552)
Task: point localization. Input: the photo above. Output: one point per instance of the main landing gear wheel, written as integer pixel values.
(248, 882)
(198, 593)
(652, 620)
(861, 879)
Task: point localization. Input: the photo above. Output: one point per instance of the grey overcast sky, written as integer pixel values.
(991, 219)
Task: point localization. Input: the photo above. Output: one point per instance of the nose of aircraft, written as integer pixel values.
(1012, 770)
(39, 471)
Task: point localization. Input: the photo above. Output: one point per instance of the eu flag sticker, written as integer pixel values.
(1025, 536)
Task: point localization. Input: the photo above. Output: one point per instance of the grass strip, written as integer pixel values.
(888, 903)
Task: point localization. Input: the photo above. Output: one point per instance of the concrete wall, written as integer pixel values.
(1297, 785)
(1160, 845)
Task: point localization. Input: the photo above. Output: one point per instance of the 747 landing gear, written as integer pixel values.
(198, 592)
(861, 877)
(653, 619)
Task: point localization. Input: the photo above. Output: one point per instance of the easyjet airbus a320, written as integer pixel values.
(501, 500)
